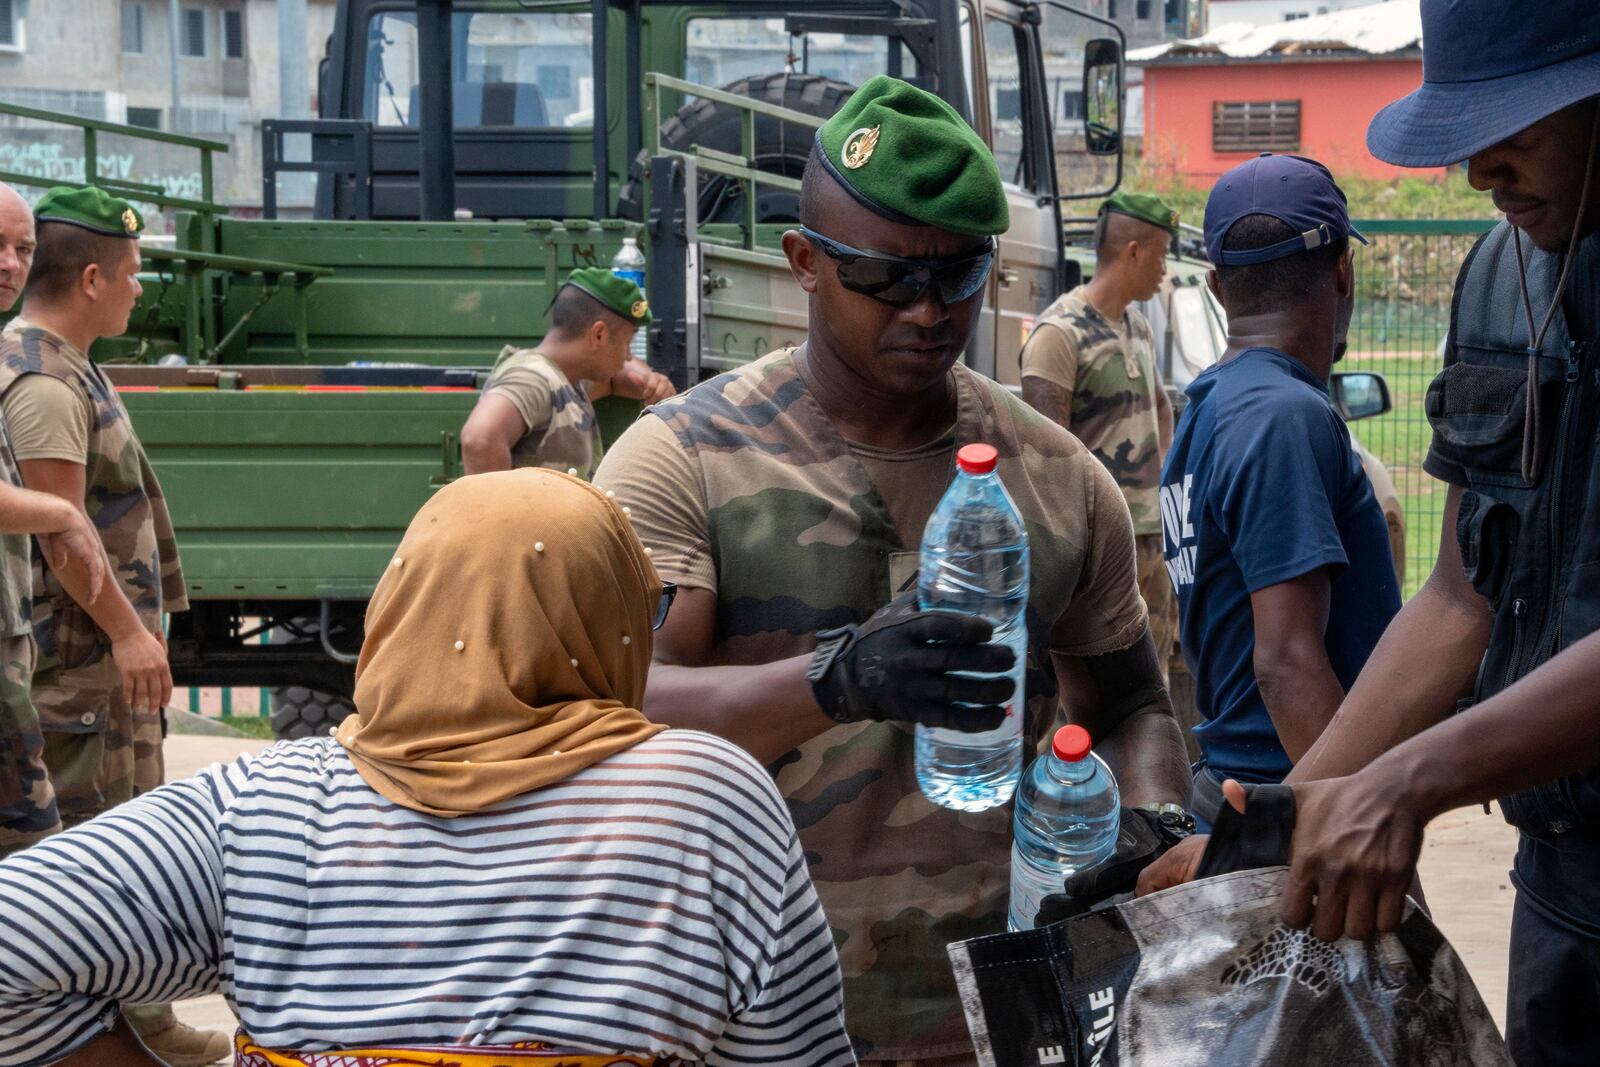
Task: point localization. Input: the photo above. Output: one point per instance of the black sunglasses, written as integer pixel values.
(669, 593)
(900, 282)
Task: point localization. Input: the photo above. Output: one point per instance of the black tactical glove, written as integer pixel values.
(1141, 837)
(898, 665)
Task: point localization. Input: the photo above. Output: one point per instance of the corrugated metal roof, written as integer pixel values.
(1375, 29)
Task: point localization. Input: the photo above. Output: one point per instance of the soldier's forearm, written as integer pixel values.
(25, 511)
(1147, 755)
(766, 709)
(112, 611)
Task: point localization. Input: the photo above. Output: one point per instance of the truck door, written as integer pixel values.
(1028, 267)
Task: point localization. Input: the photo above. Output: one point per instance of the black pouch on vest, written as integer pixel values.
(1486, 530)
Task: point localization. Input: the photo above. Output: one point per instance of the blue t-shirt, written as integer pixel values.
(1262, 486)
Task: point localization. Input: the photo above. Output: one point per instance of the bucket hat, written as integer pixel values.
(1490, 68)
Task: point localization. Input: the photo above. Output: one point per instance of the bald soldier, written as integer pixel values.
(788, 498)
(102, 678)
(28, 811)
(1090, 364)
(537, 409)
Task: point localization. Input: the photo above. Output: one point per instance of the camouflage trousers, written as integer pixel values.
(28, 810)
(99, 750)
(1155, 585)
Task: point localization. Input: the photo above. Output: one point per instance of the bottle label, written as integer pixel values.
(634, 276)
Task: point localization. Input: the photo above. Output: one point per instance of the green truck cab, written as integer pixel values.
(301, 384)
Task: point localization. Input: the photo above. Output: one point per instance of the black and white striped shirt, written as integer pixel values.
(654, 902)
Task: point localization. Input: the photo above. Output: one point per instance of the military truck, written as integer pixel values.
(301, 384)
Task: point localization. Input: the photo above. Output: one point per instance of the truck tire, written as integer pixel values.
(299, 712)
(780, 148)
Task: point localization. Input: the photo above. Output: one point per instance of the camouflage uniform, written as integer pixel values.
(1113, 378)
(27, 801)
(563, 433)
(99, 750)
(796, 538)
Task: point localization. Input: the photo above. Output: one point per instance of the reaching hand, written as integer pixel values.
(901, 665)
(1354, 855)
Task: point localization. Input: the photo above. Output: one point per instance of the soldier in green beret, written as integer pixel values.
(102, 678)
(28, 811)
(537, 407)
(1090, 364)
(787, 499)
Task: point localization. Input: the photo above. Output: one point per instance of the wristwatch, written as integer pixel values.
(1174, 821)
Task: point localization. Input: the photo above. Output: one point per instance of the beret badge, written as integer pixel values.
(858, 147)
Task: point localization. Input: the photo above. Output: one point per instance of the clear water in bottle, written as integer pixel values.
(1067, 817)
(975, 561)
(629, 263)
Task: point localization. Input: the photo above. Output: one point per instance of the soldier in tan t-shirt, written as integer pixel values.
(1090, 364)
(537, 408)
(788, 498)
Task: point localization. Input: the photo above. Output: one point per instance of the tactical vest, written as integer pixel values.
(1530, 547)
(802, 541)
(125, 503)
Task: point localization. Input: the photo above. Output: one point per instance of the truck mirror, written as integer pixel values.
(1102, 97)
(1359, 394)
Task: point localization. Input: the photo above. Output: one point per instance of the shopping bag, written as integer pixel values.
(1207, 974)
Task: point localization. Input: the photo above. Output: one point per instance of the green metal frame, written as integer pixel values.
(199, 266)
(723, 163)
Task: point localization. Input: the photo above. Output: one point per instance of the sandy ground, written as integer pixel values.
(1464, 874)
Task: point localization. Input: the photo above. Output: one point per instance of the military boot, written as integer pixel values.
(177, 1044)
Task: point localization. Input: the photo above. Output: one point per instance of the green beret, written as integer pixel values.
(92, 209)
(908, 156)
(1146, 207)
(616, 293)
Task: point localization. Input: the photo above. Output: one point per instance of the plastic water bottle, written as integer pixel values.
(975, 562)
(629, 263)
(1068, 811)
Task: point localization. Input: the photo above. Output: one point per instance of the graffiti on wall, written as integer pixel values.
(52, 161)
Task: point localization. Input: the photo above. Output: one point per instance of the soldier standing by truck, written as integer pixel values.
(1090, 364)
(789, 497)
(537, 407)
(102, 678)
(28, 810)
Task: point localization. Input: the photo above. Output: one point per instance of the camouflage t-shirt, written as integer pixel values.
(563, 433)
(744, 487)
(1111, 371)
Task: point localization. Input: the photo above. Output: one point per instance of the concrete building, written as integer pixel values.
(114, 60)
(1307, 86)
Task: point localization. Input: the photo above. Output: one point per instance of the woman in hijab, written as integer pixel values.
(496, 860)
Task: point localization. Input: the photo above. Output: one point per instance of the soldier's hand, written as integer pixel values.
(638, 382)
(657, 387)
(78, 544)
(141, 658)
(901, 665)
(1143, 837)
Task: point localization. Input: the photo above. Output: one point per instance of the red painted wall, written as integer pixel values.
(1337, 100)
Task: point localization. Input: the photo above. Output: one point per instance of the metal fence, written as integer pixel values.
(1404, 279)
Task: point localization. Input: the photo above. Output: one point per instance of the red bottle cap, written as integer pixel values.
(1071, 743)
(978, 459)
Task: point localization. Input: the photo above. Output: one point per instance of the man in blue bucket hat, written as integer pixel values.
(1505, 630)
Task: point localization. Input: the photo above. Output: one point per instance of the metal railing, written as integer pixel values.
(200, 266)
(711, 161)
(1404, 281)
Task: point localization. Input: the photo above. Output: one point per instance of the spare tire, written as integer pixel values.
(780, 147)
(299, 712)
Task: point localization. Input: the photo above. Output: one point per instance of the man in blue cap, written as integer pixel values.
(1504, 630)
(1274, 540)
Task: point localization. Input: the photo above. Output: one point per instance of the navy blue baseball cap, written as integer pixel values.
(1490, 68)
(1297, 191)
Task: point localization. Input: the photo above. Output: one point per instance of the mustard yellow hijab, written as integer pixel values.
(507, 644)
